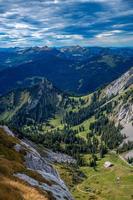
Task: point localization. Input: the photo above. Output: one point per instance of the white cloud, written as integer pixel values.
(108, 33)
(56, 1)
(121, 25)
(58, 21)
(21, 26)
(74, 36)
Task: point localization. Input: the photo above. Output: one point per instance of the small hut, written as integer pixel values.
(108, 164)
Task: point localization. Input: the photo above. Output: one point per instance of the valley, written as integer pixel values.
(74, 135)
(66, 100)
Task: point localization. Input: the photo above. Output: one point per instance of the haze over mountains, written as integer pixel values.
(76, 69)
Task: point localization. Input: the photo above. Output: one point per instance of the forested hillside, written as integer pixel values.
(73, 125)
(34, 104)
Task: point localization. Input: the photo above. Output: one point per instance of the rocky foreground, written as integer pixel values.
(34, 162)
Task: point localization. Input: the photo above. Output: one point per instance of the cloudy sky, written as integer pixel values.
(66, 22)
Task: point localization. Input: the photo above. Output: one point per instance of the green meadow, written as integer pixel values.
(114, 183)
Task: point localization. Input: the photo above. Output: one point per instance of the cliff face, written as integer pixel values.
(119, 85)
(125, 113)
(121, 92)
(119, 95)
(36, 171)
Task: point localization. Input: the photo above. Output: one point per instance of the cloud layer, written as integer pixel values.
(66, 22)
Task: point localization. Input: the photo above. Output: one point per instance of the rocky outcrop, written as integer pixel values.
(128, 155)
(120, 92)
(120, 84)
(125, 114)
(36, 162)
(128, 131)
(50, 156)
(60, 157)
(8, 131)
(41, 165)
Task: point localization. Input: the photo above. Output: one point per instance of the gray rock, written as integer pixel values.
(120, 84)
(8, 131)
(36, 162)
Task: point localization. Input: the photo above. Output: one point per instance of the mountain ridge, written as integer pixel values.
(82, 74)
(34, 103)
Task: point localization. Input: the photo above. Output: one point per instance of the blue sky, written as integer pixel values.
(66, 23)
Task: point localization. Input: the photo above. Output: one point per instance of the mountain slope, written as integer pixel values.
(123, 89)
(32, 104)
(40, 102)
(25, 174)
(74, 69)
(72, 125)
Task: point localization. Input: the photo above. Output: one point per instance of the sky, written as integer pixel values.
(66, 23)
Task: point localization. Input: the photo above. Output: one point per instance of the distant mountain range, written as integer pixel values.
(77, 70)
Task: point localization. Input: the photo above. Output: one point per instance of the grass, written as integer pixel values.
(56, 122)
(8, 115)
(86, 125)
(14, 189)
(70, 174)
(102, 184)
